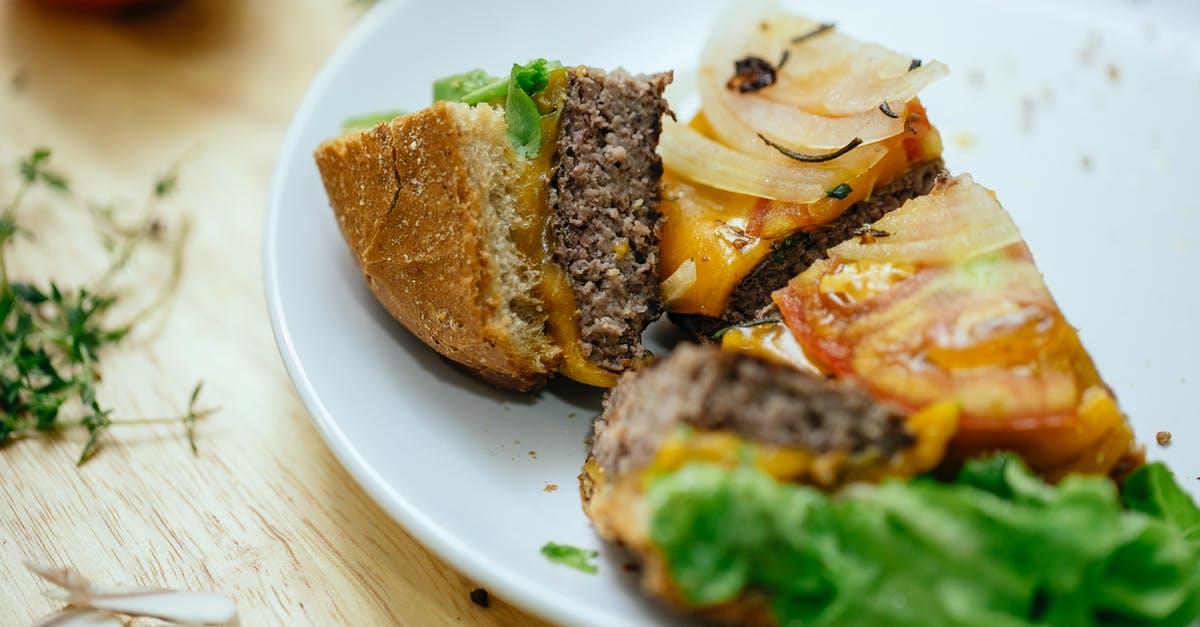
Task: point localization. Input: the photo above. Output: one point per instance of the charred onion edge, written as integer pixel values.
(783, 59)
(742, 325)
(828, 26)
(799, 156)
(752, 73)
(888, 111)
(866, 234)
(916, 63)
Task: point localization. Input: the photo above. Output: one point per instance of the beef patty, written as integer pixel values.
(716, 390)
(607, 188)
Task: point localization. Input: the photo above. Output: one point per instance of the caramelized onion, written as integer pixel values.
(962, 219)
(828, 92)
(681, 280)
(694, 156)
(738, 119)
(838, 76)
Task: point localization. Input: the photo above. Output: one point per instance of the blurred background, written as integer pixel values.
(124, 93)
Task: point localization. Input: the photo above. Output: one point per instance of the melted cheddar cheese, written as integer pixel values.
(772, 341)
(535, 240)
(931, 429)
(713, 227)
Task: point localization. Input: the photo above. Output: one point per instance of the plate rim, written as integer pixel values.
(511, 585)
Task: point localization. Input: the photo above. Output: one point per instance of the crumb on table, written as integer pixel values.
(1163, 438)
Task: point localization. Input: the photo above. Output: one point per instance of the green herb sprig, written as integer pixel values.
(573, 556)
(52, 338)
(840, 192)
(780, 249)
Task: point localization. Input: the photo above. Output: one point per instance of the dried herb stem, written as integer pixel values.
(807, 158)
(823, 28)
(168, 289)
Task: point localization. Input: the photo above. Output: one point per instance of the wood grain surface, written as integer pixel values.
(264, 512)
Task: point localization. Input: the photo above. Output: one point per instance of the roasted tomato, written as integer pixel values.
(941, 300)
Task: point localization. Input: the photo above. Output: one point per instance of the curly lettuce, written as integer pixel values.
(514, 91)
(996, 547)
(478, 86)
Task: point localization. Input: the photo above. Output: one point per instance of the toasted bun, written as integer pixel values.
(423, 202)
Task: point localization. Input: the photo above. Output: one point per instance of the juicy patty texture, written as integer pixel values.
(607, 187)
(710, 389)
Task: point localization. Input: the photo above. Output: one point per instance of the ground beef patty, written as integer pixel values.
(798, 252)
(607, 186)
(711, 389)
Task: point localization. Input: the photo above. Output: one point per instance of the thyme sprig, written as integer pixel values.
(52, 338)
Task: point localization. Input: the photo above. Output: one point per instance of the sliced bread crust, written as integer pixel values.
(422, 201)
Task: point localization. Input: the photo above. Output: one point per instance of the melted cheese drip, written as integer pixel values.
(931, 429)
(535, 239)
(773, 341)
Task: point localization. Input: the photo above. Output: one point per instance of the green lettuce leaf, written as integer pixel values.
(523, 121)
(477, 86)
(573, 556)
(1151, 489)
(453, 88)
(535, 75)
(515, 91)
(996, 547)
(369, 120)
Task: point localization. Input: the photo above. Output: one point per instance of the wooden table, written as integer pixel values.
(264, 512)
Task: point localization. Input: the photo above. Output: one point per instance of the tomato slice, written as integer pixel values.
(951, 306)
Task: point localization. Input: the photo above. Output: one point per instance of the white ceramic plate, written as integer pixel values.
(1083, 117)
